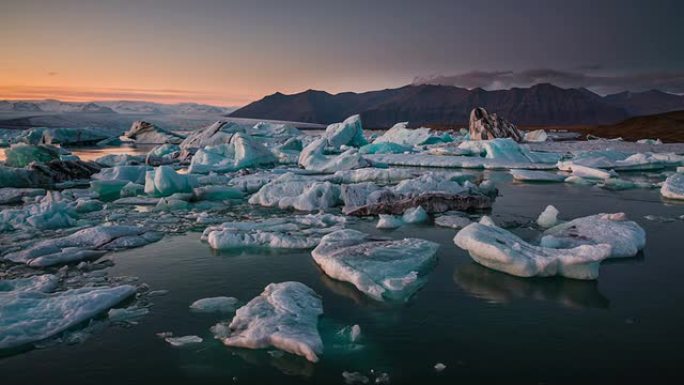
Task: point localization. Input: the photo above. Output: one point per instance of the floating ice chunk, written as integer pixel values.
(452, 221)
(291, 191)
(12, 195)
(313, 158)
(216, 193)
(21, 154)
(349, 132)
(587, 172)
(215, 305)
(132, 190)
(382, 176)
(135, 174)
(300, 231)
(240, 152)
(501, 250)
(548, 217)
(83, 244)
(108, 190)
(506, 150)
(217, 133)
(415, 215)
(673, 188)
(284, 316)
(486, 220)
(536, 176)
(113, 160)
(440, 366)
(384, 148)
(164, 181)
(680, 170)
(352, 378)
(129, 314)
(624, 236)
(389, 222)
(52, 212)
(274, 130)
(536, 136)
(42, 283)
(33, 316)
(382, 269)
(183, 341)
(147, 133)
(400, 135)
(355, 333)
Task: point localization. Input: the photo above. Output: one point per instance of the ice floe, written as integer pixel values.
(502, 250)
(625, 237)
(382, 269)
(295, 232)
(284, 316)
(32, 316)
(214, 305)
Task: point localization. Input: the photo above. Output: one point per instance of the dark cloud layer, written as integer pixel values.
(602, 83)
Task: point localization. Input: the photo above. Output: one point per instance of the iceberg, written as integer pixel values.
(403, 137)
(52, 212)
(452, 221)
(134, 174)
(313, 158)
(41, 283)
(296, 232)
(87, 243)
(536, 176)
(274, 130)
(548, 217)
(415, 215)
(13, 195)
(147, 133)
(291, 191)
(625, 237)
(21, 154)
(673, 187)
(347, 133)
(164, 181)
(31, 316)
(501, 250)
(485, 126)
(214, 305)
(536, 136)
(382, 269)
(74, 136)
(506, 151)
(240, 152)
(386, 221)
(284, 316)
(217, 133)
(108, 190)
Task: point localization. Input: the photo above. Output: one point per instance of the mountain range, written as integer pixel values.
(541, 104)
(109, 107)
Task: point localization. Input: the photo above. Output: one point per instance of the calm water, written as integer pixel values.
(487, 327)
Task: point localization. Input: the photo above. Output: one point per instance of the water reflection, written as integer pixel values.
(497, 287)
(288, 364)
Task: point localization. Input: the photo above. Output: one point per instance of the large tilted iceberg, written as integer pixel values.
(284, 316)
(502, 250)
(673, 187)
(347, 133)
(399, 134)
(383, 269)
(296, 232)
(625, 237)
(164, 181)
(89, 243)
(31, 316)
(314, 158)
(240, 152)
(292, 191)
(148, 133)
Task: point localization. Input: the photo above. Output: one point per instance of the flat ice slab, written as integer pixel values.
(284, 316)
(30, 316)
(383, 269)
(502, 250)
(625, 237)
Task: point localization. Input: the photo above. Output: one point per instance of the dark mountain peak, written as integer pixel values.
(426, 104)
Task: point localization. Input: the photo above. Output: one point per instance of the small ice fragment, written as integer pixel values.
(487, 221)
(128, 314)
(387, 221)
(215, 304)
(355, 333)
(182, 341)
(548, 218)
(354, 378)
(439, 367)
(415, 215)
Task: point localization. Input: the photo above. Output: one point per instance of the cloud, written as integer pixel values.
(602, 83)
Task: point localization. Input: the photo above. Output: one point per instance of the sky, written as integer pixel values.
(232, 52)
